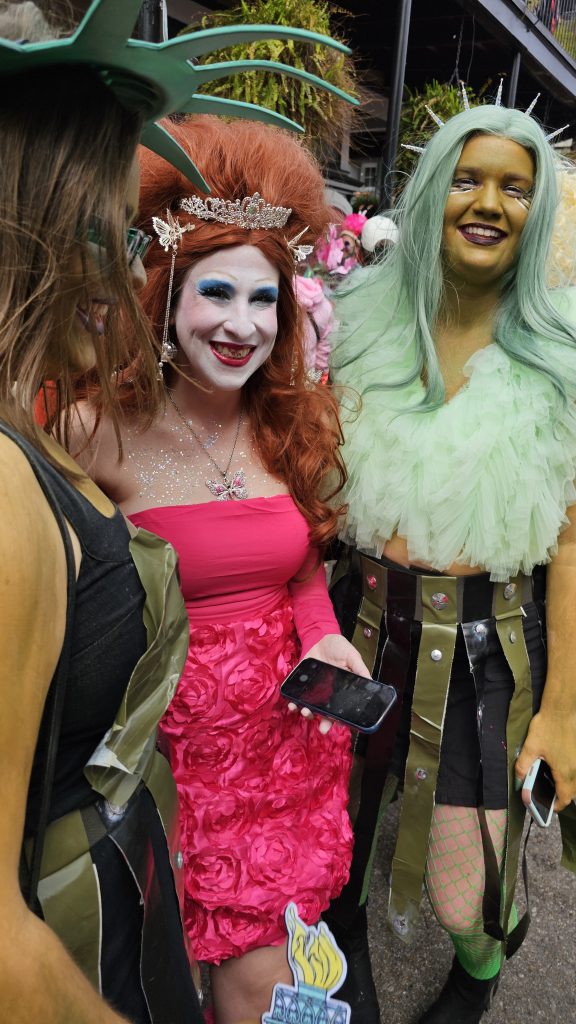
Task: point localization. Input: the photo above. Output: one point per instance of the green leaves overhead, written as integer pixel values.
(322, 115)
(416, 125)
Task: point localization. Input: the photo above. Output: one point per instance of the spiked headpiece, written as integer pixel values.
(466, 105)
(163, 78)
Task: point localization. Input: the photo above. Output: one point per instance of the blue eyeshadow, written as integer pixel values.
(214, 284)
(269, 294)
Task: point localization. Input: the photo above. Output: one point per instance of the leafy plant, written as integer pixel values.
(364, 202)
(322, 115)
(416, 124)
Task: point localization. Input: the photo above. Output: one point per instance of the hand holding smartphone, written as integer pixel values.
(337, 694)
(539, 792)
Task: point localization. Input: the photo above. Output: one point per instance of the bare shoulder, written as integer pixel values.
(90, 443)
(95, 448)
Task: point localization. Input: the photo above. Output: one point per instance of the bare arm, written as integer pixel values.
(552, 733)
(38, 979)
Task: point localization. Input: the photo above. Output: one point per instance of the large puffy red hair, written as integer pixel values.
(295, 426)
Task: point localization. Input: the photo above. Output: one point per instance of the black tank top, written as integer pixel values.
(108, 639)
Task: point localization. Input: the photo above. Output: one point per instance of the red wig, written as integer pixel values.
(295, 424)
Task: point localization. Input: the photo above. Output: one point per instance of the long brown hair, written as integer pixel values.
(295, 424)
(66, 146)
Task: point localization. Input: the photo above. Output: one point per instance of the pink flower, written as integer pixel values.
(354, 222)
(310, 906)
(213, 876)
(331, 252)
(311, 298)
(240, 931)
(210, 644)
(273, 858)
(227, 816)
(250, 686)
(291, 762)
(283, 807)
(261, 739)
(195, 698)
(347, 266)
(330, 837)
(261, 635)
(309, 291)
(214, 755)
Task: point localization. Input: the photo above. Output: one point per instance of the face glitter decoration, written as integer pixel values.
(226, 319)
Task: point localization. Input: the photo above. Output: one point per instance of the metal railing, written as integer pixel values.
(559, 17)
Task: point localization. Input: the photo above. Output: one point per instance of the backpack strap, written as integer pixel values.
(55, 699)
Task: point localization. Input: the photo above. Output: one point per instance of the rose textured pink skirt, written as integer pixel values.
(263, 793)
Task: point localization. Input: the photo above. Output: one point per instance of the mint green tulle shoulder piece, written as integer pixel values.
(486, 479)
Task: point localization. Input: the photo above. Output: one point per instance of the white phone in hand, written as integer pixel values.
(539, 792)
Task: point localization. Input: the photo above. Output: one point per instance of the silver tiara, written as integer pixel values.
(250, 213)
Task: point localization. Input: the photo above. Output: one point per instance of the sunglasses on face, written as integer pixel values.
(137, 241)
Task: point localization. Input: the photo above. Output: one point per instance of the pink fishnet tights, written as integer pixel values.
(455, 865)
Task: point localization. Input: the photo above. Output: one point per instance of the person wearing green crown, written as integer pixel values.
(461, 516)
(93, 630)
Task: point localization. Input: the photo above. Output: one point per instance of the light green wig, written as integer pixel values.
(403, 294)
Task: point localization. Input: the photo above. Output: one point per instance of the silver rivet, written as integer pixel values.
(371, 581)
(439, 601)
(401, 926)
(421, 773)
(178, 859)
(481, 628)
(509, 591)
(367, 632)
(436, 655)
(512, 637)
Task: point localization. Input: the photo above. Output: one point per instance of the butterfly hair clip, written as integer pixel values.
(170, 231)
(299, 252)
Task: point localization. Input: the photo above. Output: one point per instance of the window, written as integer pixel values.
(369, 172)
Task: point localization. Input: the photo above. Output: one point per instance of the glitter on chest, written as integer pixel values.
(172, 471)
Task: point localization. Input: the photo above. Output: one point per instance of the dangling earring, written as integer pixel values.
(170, 234)
(298, 253)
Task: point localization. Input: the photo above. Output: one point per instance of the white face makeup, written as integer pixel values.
(226, 318)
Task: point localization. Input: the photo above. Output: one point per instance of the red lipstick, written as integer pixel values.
(231, 360)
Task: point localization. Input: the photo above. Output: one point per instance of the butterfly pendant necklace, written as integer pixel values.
(226, 490)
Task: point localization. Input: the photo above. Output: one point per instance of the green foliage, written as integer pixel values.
(364, 202)
(323, 116)
(416, 125)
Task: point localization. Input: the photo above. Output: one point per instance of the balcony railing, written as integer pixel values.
(559, 17)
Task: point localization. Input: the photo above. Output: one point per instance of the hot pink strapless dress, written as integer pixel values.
(262, 793)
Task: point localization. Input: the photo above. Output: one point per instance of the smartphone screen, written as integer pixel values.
(333, 692)
(543, 790)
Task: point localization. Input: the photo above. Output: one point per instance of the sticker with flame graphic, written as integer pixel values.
(319, 969)
(313, 954)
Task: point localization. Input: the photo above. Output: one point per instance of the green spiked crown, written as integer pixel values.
(162, 78)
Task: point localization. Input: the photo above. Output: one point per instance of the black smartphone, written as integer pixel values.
(335, 693)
